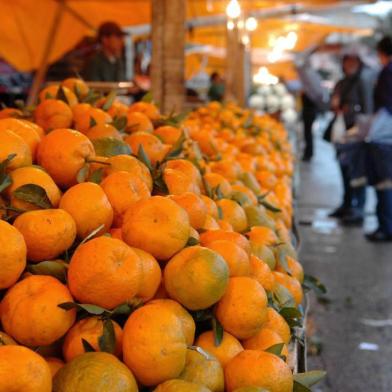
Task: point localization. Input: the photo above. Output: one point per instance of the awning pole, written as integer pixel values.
(41, 71)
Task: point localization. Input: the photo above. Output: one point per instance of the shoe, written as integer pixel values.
(339, 212)
(352, 219)
(306, 158)
(378, 236)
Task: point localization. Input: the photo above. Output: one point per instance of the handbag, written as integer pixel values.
(338, 130)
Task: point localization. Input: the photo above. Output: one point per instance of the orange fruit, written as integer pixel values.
(151, 275)
(180, 386)
(138, 122)
(24, 130)
(11, 112)
(178, 183)
(118, 109)
(188, 325)
(36, 127)
(123, 189)
(6, 339)
(234, 214)
(100, 131)
(55, 364)
(47, 233)
(214, 235)
(196, 277)
(278, 324)
(153, 147)
(243, 308)
(236, 258)
(12, 254)
(90, 329)
(32, 175)
(228, 168)
(116, 233)
(11, 144)
(212, 209)
(168, 134)
(129, 164)
(30, 372)
(291, 284)
(51, 92)
(203, 369)
(77, 86)
(224, 225)
(266, 179)
(244, 193)
(262, 273)
(90, 208)
(53, 114)
(85, 117)
(294, 268)
(62, 153)
(154, 346)
(96, 371)
(194, 206)
(228, 348)
(264, 253)
(215, 180)
(116, 275)
(30, 311)
(149, 109)
(263, 340)
(259, 369)
(210, 223)
(157, 225)
(263, 235)
(187, 168)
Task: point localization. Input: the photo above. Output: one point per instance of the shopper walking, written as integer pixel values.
(353, 95)
(315, 98)
(380, 138)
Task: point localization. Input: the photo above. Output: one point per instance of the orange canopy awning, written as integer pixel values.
(26, 24)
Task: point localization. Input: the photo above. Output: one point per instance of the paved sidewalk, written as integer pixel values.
(352, 325)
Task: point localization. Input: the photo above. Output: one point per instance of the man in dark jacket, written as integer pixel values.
(353, 95)
(380, 138)
(107, 65)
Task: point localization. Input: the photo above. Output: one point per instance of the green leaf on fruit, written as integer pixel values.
(109, 100)
(218, 331)
(56, 268)
(83, 173)
(107, 342)
(88, 348)
(143, 157)
(312, 283)
(310, 378)
(110, 147)
(33, 194)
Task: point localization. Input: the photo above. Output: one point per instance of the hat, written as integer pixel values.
(110, 28)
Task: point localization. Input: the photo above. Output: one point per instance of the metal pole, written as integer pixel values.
(41, 72)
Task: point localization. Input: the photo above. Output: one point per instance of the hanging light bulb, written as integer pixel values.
(233, 9)
(251, 24)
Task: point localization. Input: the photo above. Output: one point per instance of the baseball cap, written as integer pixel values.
(110, 28)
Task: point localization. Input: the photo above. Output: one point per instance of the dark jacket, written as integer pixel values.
(383, 91)
(356, 95)
(101, 69)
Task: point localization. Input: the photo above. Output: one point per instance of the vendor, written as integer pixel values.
(107, 65)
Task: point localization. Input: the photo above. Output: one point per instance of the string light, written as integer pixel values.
(233, 9)
(251, 24)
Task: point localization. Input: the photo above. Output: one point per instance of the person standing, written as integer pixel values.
(107, 65)
(353, 95)
(315, 98)
(380, 140)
